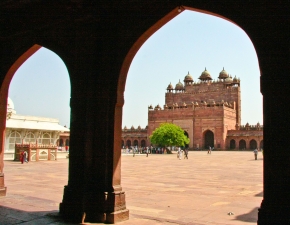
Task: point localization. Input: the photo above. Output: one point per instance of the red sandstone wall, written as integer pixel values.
(196, 121)
(207, 92)
(208, 118)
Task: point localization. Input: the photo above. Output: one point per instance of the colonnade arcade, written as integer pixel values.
(243, 144)
(98, 51)
(133, 142)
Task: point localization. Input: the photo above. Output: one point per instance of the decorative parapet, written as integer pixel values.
(134, 130)
(250, 127)
(202, 104)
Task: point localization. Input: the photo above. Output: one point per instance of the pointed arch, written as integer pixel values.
(208, 139)
(232, 144)
(242, 144)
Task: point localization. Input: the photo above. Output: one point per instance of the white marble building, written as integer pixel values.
(29, 129)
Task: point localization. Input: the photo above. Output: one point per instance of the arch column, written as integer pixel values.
(275, 206)
(94, 192)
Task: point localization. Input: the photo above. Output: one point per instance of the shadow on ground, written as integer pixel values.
(249, 217)
(9, 216)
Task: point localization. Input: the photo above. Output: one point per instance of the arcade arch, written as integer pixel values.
(208, 139)
(128, 143)
(143, 143)
(14, 138)
(253, 144)
(242, 144)
(44, 132)
(208, 136)
(232, 144)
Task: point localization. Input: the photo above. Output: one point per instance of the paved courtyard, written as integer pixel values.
(159, 189)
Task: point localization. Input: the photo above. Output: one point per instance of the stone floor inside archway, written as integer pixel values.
(160, 189)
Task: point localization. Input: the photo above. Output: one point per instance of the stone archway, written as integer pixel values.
(128, 143)
(232, 144)
(208, 139)
(143, 143)
(253, 144)
(135, 143)
(242, 144)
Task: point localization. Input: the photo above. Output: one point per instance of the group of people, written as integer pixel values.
(180, 153)
(146, 150)
(23, 157)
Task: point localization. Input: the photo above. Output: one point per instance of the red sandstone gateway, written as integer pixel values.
(208, 111)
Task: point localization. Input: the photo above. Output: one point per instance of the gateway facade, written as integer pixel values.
(209, 111)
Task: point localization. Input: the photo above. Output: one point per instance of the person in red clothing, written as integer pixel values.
(22, 157)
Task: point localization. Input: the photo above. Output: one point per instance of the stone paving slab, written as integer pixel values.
(160, 189)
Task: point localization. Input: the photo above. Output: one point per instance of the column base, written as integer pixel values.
(3, 189)
(270, 214)
(118, 216)
(93, 207)
(3, 192)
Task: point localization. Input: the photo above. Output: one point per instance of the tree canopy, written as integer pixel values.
(168, 134)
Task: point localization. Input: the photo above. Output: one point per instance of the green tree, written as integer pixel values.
(168, 134)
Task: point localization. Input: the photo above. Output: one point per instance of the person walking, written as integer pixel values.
(147, 151)
(209, 150)
(25, 156)
(21, 156)
(256, 153)
(185, 153)
(179, 153)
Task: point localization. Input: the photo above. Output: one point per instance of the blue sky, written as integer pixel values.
(189, 42)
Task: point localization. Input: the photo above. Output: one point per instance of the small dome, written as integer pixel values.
(179, 86)
(170, 87)
(184, 104)
(235, 79)
(165, 106)
(150, 107)
(132, 128)
(205, 75)
(229, 80)
(139, 128)
(223, 74)
(157, 107)
(188, 78)
(125, 127)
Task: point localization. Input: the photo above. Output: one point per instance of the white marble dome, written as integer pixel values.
(10, 104)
